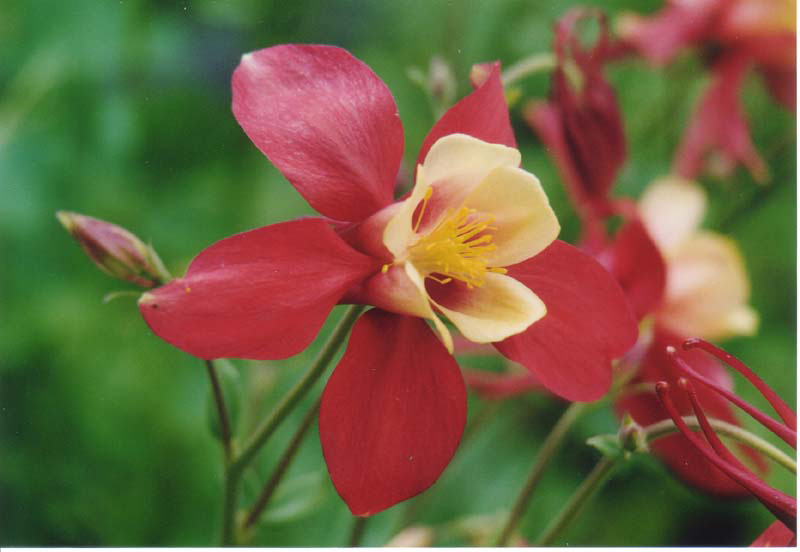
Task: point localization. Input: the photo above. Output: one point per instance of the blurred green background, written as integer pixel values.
(121, 110)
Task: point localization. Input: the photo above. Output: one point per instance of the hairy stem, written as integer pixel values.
(668, 427)
(236, 467)
(593, 481)
(283, 465)
(536, 63)
(546, 453)
(357, 531)
(222, 412)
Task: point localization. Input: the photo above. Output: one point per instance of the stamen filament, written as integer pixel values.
(716, 443)
(783, 410)
(789, 436)
(780, 504)
(425, 198)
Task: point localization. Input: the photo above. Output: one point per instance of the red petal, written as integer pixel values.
(588, 322)
(675, 450)
(718, 124)
(392, 412)
(262, 294)
(776, 534)
(638, 267)
(326, 121)
(482, 114)
(776, 58)
(679, 24)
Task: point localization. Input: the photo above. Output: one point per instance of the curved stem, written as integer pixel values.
(282, 467)
(235, 468)
(302, 387)
(222, 412)
(357, 531)
(546, 453)
(668, 427)
(593, 481)
(536, 63)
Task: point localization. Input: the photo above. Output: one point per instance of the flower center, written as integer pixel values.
(457, 248)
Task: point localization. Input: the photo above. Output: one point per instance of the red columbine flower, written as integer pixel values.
(581, 124)
(474, 241)
(689, 282)
(783, 506)
(736, 35)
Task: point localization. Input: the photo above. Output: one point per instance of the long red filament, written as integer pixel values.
(788, 435)
(716, 443)
(782, 506)
(783, 410)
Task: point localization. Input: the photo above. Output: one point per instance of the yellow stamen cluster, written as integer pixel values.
(457, 248)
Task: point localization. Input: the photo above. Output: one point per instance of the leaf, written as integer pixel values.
(609, 445)
(296, 497)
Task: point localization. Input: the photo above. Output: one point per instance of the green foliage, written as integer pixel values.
(120, 110)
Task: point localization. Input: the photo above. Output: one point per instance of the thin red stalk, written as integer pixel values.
(783, 410)
(711, 436)
(777, 428)
(780, 504)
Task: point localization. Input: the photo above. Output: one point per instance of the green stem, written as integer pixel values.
(357, 531)
(546, 453)
(233, 473)
(222, 412)
(536, 63)
(229, 499)
(593, 481)
(283, 465)
(667, 427)
(299, 390)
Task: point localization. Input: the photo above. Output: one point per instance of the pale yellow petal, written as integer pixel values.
(524, 221)
(399, 231)
(455, 165)
(672, 209)
(441, 329)
(707, 290)
(500, 308)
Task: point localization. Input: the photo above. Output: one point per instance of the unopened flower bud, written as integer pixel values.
(441, 81)
(479, 73)
(114, 250)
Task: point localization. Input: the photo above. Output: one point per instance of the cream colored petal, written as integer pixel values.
(707, 290)
(671, 209)
(441, 329)
(455, 165)
(399, 231)
(500, 308)
(524, 221)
